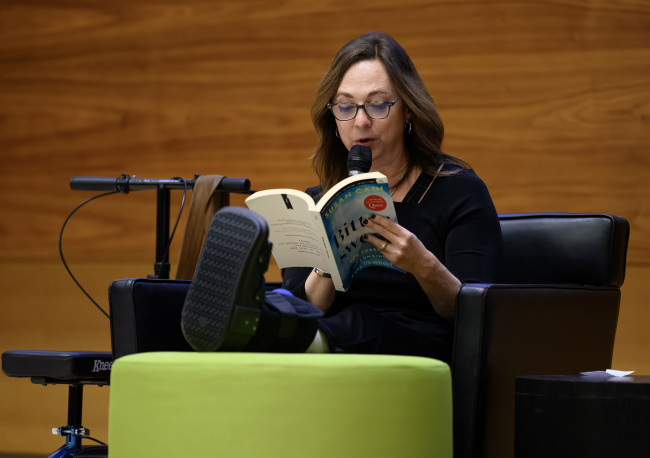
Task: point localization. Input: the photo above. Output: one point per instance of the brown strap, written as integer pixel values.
(206, 201)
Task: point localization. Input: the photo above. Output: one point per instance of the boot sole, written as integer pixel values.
(222, 307)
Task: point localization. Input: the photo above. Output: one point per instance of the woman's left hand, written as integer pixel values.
(406, 251)
(401, 246)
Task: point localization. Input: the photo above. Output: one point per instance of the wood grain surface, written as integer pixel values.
(549, 102)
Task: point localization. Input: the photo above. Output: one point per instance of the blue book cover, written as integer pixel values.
(342, 216)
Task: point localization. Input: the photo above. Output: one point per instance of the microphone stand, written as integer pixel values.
(161, 266)
(125, 183)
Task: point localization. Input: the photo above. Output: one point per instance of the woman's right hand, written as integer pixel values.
(320, 291)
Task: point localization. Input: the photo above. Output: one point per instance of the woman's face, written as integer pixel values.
(368, 81)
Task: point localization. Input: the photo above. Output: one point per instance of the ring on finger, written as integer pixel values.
(383, 246)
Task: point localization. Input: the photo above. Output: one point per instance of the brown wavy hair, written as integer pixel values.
(422, 145)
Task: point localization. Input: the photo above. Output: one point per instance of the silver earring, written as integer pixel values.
(336, 132)
(408, 127)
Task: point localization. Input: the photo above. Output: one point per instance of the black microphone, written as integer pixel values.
(359, 160)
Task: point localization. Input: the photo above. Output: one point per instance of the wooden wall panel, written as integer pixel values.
(549, 101)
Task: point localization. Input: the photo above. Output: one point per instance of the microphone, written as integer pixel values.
(359, 160)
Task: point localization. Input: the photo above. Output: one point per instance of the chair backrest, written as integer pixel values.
(564, 248)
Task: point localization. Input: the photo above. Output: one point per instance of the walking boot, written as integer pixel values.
(222, 307)
(226, 307)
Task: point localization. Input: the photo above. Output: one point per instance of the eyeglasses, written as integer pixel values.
(348, 111)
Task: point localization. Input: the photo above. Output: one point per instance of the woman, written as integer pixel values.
(447, 233)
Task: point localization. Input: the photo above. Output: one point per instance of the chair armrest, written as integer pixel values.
(507, 330)
(146, 315)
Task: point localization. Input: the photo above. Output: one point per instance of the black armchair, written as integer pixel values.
(554, 310)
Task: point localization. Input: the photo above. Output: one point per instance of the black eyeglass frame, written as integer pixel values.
(330, 106)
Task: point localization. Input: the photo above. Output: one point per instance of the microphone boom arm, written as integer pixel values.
(125, 183)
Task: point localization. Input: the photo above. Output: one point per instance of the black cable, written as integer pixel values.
(93, 439)
(65, 264)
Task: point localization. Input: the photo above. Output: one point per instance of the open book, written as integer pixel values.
(327, 235)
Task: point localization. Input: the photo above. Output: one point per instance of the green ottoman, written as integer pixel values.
(279, 405)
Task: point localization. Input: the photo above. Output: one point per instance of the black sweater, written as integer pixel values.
(456, 221)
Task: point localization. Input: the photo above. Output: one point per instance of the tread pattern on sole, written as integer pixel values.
(229, 244)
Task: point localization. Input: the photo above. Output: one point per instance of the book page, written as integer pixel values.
(296, 242)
